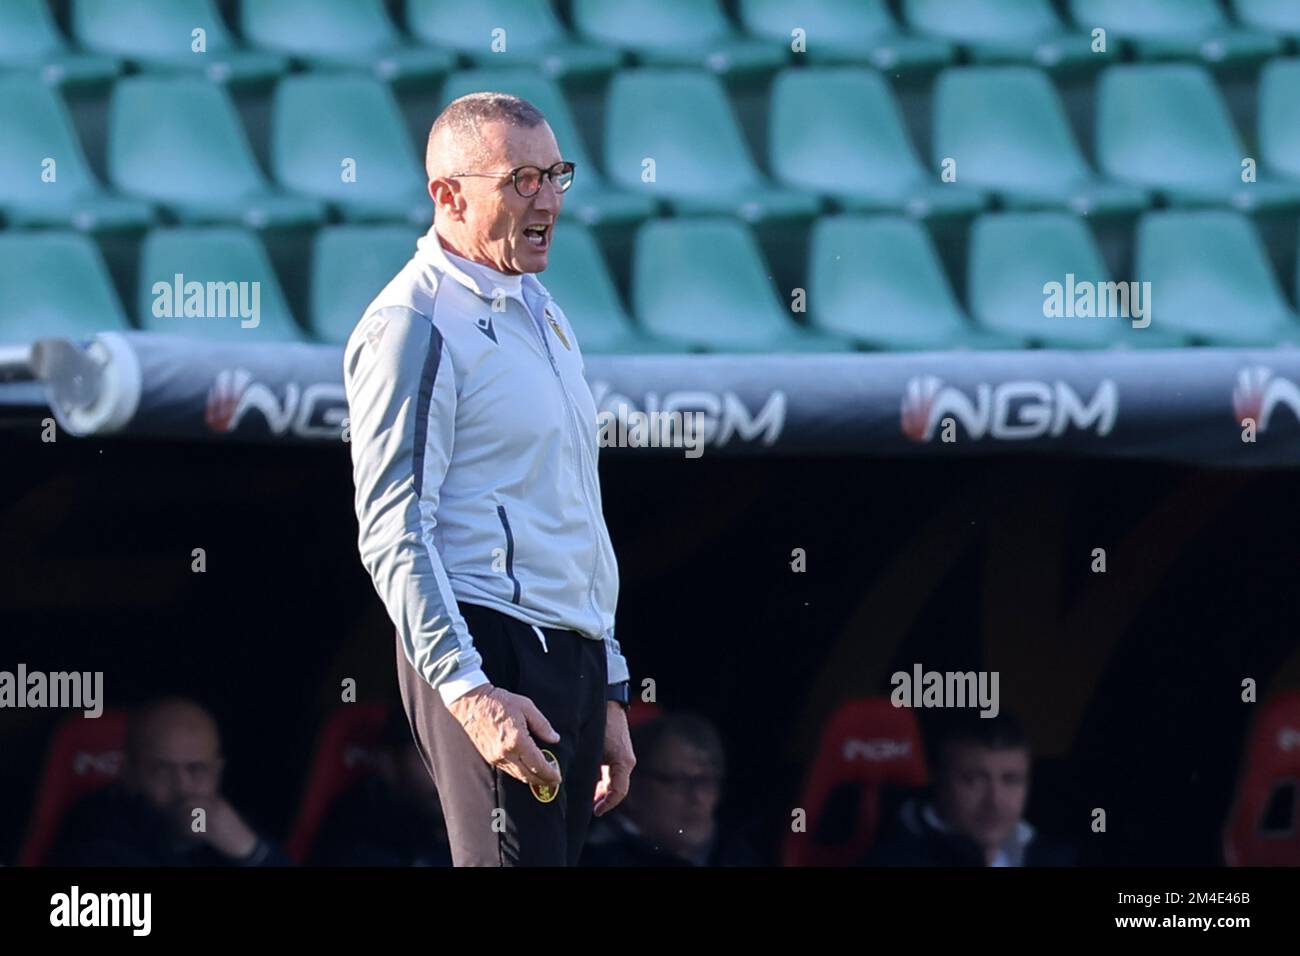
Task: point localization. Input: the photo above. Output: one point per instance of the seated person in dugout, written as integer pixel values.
(669, 817)
(392, 817)
(171, 768)
(974, 815)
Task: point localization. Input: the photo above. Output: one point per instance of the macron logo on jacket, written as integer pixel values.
(474, 455)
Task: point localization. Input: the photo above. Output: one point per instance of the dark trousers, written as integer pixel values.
(492, 818)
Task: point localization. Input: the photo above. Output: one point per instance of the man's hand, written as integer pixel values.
(616, 773)
(498, 722)
(224, 830)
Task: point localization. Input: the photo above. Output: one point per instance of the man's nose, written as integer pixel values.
(548, 197)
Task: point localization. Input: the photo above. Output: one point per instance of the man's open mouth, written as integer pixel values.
(539, 235)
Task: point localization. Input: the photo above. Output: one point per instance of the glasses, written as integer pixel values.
(528, 179)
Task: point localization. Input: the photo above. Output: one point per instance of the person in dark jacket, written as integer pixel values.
(975, 814)
(669, 817)
(167, 808)
(392, 817)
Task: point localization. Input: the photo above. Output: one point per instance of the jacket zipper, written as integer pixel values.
(510, 552)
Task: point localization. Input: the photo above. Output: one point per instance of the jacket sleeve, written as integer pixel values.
(401, 394)
(615, 663)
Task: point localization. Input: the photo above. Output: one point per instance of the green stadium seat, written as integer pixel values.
(1012, 258)
(1001, 31)
(579, 279)
(1212, 278)
(319, 120)
(355, 34)
(677, 33)
(591, 199)
(1174, 29)
(1164, 127)
(845, 31)
(682, 122)
(350, 265)
(533, 36)
(37, 128)
(157, 35)
(218, 255)
(1279, 117)
(877, 281)
(703, 283)
(54, 284)
(1007, 130)
(1279, 17)
(30, 41)
(839, 131)
(177, 141)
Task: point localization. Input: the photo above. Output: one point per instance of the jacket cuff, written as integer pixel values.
(462, 684)
(615, 663)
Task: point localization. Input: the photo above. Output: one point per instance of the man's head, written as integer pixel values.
(677, 782)
(173, 753)
(474, 146)
(982, 778)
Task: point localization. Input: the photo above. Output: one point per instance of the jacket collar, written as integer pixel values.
(482, 280)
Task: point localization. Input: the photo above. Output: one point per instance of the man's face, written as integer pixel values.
(501, 227)
(177, 764)
(675, 796)
(982, 792)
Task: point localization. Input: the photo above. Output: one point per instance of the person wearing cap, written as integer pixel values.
(474, 448)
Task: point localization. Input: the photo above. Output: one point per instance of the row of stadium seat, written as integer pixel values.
(836, 137)
(157, 34)
(872, 282)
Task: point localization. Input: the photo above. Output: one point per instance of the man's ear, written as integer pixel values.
(447, 200)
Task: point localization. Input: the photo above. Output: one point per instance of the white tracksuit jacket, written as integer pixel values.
(474, 444)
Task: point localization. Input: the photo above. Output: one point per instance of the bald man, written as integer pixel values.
(474, 449)
(166, 808)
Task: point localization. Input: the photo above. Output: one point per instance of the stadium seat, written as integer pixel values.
(1174, 29)
(154, 35)
(703, 282)
(345, 755)
(350, 265)
(355, 34)
(1006, 129)
(54, 284)
(877, 281)
(1263, 826)
(178, 142)
(321, 120)
(84, 756)
(677, 33)
(1212, 278)
(867, 745)
(1000, 31)
(681, 121)
(1014, 255)
(217, 257)
(580, 282)
(30, 41)
(1165, 127)
(1279, 117)
(845, 31)
(590, 199)
(839, 131)
(533, 36)
(1279, 17)
(44, 177)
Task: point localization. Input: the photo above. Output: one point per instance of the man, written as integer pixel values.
(975, 817)
(171, 768)
(671, 817)
(474, 456)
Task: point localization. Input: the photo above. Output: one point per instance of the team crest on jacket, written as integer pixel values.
(555, 327)
(485, 326)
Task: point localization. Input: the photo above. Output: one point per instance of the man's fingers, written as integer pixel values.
(538, 725)
(535, 769)
(616, 778)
